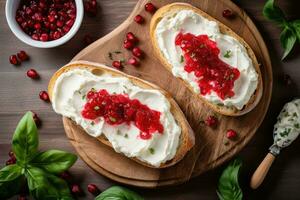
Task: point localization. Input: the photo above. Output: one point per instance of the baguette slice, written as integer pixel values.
(225, 110)
(187, 139)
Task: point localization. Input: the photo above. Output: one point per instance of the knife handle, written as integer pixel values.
(261, 172)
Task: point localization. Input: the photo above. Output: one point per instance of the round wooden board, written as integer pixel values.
(211, 148)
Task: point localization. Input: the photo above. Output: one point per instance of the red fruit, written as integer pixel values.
(11, 161)
(32, 73)
(11, 154)
(35, 36)
(14, 60)
(211, 121)
(90, 7)
(127, 44)
(231, 134)
(36, 119)
(227, 13)
(131, 37)
(117, 64)
(133, 61)
(37, 26)
(149, 7)
(92, 188)
(65, 175)
(44, 96)
(44, 37)
(22, 55)
(139, 19)
(75, 189)
(56, 35)
(136, 51)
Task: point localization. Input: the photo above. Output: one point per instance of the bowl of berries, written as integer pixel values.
(44, 23)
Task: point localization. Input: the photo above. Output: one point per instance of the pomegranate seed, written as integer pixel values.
(211, 121)
(36, 119)
(14, 60)
(76, 189)
(44, 96)
(35, 36)
(149, 7)
(131, 37)
(133, 61)
(32, 73)
(56, 35)
(136, 51)
(88, 39)
(231, 134)
(59, 23)
(22, 197)
(65, 175)
(117, 64)
(11, 161)
(127, 44)
(139, 19)
(37, 26)
(22, 55)
(44, 37)
(90, 7)
(227, 13)
(92, 188)
(70, 22)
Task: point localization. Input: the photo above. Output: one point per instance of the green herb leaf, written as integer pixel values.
(151, 150)
(10, 172)
(46, 186)
(273, 12)
(25, 140)
(11, 188)
(118, 193)
(288, 39)
(228, 187)
(227, 54)
(54, 161)
(296, 26)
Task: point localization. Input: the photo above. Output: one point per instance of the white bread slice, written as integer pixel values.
(187, 139)
(225, 110)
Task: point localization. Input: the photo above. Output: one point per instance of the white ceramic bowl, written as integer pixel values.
(10, 12)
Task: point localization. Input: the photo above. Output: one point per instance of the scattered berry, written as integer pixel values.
(44, 96)
(90, 7)
(92, 188)
(227, 14)
(75, 189)
(32, 73)
(149, 7)
(14, 60)
(231, 134)
(117, 64)
(131, 37)
(136, 51)
(22, 55)
(133, 61)
(211, 121)
(139, 19)
(128, 44)
(36, 119)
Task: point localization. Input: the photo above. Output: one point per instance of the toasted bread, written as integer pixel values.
(187, 139)
(222, 109)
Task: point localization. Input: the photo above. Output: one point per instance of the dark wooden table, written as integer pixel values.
(19, 94)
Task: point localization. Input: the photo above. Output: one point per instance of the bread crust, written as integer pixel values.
(225, 110)
(187, 139)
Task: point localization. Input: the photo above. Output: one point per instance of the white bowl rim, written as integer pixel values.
(21, 35)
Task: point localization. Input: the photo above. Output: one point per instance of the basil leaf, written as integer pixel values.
(228, 187)
(11, 188)
(288, 39)
(118, 193)
(10, 172)
(273, 12)
(296, 26)
(54, 161)
(25, 140)
(46, 186)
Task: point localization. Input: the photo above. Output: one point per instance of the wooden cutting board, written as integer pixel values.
(211, 148)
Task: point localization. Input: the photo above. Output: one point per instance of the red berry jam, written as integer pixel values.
(118, 109)
(46, 20)
(201, 57)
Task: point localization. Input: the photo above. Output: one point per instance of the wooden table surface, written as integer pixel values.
(19, 94)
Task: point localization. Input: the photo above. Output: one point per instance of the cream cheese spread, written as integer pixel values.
(68, 99)
(187, 21)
